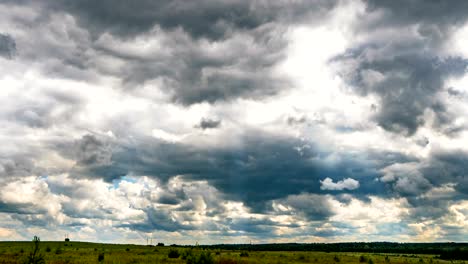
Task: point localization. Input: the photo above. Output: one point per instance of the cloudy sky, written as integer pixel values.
(234, 121)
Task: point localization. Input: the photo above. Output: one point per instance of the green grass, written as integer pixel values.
(82, 252)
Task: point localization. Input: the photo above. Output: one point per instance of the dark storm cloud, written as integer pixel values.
(20, 208)
(193, 71)
(91, 151)
(407, 84)
(211, 50)
(158, 219)
(432, 185)
(207, 123)
(256, 226)
(7, 46)
(263, 168)
(201, 19)
(440, 14)
(406, 72)
(448, 167)
(313, 207)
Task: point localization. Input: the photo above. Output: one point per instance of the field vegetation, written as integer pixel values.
(83, 252)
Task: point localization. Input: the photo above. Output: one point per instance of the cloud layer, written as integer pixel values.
(233, 121)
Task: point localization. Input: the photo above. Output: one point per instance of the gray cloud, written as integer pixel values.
(406, 73)
(206, 123)
(90, 151)
(263, 162)
(201, 19)
(448, 167)
(193, 71)
(161, 53)
(7, 46)
(209, 51)
(19, 166)
(312, 206)
(407, 84)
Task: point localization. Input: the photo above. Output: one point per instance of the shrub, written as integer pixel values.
(336, 258)
(227, 261)
(370, 261)
(58, 251)
(362, 259)
(202, 258)
(48, 249)
(244, 254)
(186, 254)
(100, 257)
(173, 253)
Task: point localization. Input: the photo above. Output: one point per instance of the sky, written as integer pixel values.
(234, 121)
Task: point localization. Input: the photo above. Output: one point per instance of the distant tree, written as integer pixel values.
(160, 244)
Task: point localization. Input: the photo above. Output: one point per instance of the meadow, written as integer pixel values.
(83, 252)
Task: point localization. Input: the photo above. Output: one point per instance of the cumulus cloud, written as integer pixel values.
(345, 184)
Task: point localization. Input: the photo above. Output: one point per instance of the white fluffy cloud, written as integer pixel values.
(345, 184)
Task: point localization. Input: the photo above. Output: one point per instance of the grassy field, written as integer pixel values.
(82, 252)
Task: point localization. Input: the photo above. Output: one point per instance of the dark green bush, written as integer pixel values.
(187, 253)
(202, 258)
(101, 257)
(244, 254)
(173, 253)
